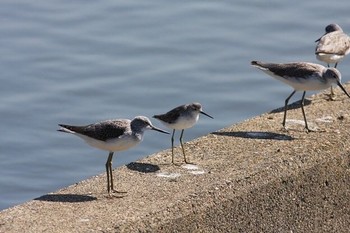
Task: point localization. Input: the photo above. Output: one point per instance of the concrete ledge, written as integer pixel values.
(250, 177)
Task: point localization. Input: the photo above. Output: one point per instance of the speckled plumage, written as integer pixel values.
(181, 118)
(103, 130)
(333, 46)
(302, 76)
(112, 135)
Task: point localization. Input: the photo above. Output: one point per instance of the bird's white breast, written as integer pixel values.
(183, 122)
(311, 83)
(121, 143)
(329, 58)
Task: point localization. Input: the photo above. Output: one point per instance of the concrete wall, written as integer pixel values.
(249, 177)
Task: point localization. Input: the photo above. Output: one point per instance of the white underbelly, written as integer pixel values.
(182, 123)
(118, 144)
(329, 58)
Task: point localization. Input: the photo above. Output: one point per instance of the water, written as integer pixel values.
(79, 62)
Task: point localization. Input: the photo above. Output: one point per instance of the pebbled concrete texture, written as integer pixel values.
(253, 176)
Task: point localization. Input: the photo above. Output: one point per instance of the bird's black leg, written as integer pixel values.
(110, 185)
(302, 109)
(172, 147)
(182, 146)
(285, 108)
(109, 172)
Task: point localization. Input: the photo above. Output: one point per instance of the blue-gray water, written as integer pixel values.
(79, 62)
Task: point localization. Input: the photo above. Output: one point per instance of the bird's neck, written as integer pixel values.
(138, 135)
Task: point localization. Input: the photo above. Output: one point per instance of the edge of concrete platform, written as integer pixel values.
(249, 177)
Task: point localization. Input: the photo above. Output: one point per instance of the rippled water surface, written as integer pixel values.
(79, 62)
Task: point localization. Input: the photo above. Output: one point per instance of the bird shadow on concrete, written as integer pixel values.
(65, 198)
(294, 105)
(256, 135)
(143, 167)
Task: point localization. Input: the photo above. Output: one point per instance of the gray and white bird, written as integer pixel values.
(301, 76)
(181, 118)
(112, 135)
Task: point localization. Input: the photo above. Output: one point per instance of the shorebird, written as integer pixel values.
(181, 118)
(112, 135)
(302, 76)
(333, 46)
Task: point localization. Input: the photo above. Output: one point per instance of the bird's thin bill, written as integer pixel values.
(159, 130)
(342, 87)
(207, 115)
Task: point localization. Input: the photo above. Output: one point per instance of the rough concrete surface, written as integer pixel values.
(250, 177)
